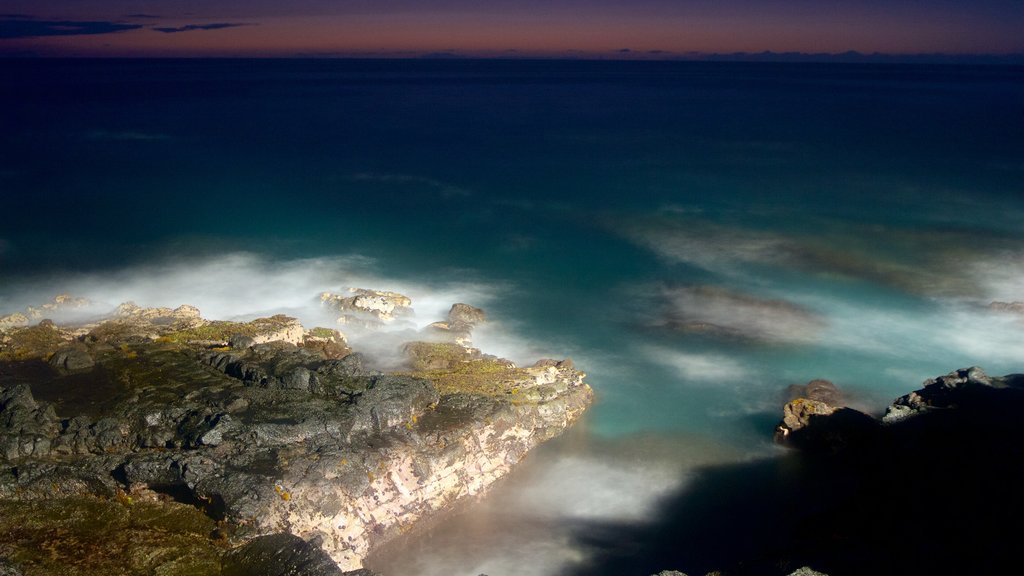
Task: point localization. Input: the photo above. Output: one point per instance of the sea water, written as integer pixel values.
(696, 236)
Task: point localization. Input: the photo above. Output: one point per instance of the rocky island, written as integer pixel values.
(152, 440)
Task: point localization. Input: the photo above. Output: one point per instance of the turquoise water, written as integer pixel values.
(848, 222)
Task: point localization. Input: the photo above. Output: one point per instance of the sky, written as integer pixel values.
(507, 28)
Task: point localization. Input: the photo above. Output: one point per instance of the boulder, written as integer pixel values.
(27, 428)
(814, 423)
(72, 358)
(458, 327)
(368, 308)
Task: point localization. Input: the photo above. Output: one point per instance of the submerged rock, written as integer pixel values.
(817, 390)
(723, 313)
(1009, 307)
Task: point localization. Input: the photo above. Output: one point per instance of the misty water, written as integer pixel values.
(694, 236)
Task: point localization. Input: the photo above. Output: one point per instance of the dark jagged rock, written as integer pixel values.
(261, 431)
(926, 466)
(26, 427)
(279, 555)
(942, 392)
(8, 569)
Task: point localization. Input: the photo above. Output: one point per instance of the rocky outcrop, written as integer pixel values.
(61, 303)
(16, 320)
(269, 433)
(458, 327)
(942, 392)
(816, 418)
(367, 308)
(943, 460)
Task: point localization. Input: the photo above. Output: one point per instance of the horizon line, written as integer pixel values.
(622, 55)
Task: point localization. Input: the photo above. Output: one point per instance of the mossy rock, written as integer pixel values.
(437, 355)
(96, 536)
(216, 331)
(34, 342)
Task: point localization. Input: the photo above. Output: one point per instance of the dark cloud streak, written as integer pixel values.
(18, 26)
(193, 27)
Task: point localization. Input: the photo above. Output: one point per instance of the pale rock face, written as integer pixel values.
(16, 320)
(414, 481)
(61, 302)
(369, 308)
(278, 329)
(35, 313)
(182, 317)
(797, 414)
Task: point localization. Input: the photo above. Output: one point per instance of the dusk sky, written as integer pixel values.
(580, 28)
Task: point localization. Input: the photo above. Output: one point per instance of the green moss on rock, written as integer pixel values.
(98, 536)
(33, 342)
(456, 369)
(217, 331)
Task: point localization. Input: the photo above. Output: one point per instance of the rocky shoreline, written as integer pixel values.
(151, 440)
(930, 487)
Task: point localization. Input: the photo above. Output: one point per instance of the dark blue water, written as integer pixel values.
(849, 222)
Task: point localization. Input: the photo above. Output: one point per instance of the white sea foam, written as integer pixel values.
(529, 523)
(699, 368)
(1002, 277)
(577, 487)
(242, 286)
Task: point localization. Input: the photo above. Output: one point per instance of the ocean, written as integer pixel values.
(695, 236)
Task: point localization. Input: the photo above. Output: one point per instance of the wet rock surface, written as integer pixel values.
(272, 437)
